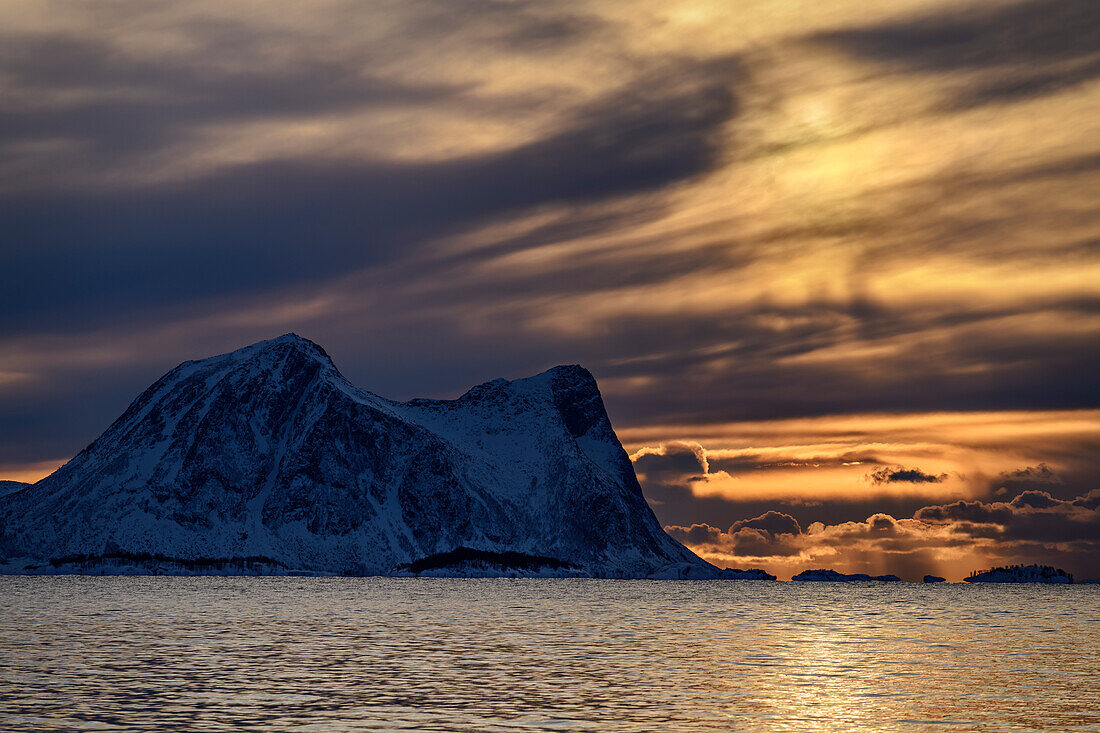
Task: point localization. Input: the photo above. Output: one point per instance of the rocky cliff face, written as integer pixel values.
(269, 455)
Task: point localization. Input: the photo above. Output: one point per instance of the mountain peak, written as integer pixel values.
(287, 340)
(292, 350)
(291, 337)
(564, 376)
(570, 371)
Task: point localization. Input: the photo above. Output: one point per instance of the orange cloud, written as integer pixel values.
(948, 540)
(936, 455)
(28, 473)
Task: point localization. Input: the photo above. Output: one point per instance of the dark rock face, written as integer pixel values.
(832, 576)
(269, 452)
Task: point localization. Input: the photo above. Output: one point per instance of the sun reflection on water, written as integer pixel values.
(211, 654)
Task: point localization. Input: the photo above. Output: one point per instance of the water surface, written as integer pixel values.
(374, 654)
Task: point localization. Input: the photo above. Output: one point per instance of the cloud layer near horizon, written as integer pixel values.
(731, 213)
(949, 540)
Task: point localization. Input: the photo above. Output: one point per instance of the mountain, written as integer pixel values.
(268, 460)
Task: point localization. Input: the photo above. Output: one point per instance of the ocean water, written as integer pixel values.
(373, 654)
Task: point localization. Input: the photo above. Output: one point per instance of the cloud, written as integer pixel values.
(696, 534)
(976, 512)
(1011, 50)
(816, 469)
(273, 223)
(1040, 476)
(770, 534)
(886, 475)
(831, 471)
(951, 538)
(1090, 501)
(674, 458)
(1035, 500)
(132, 104)
(772, 522)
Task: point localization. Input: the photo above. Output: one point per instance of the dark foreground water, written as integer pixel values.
(204, 654)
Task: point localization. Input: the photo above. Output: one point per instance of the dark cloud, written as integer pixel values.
(882, 524)
(976, 512)
(751, 542)
(1033, 516)
(32, 432)
(1035, 500)
(131, 105)
(935, 361)
(772, 522)
(770, 534)
(519, 27)
(674, 461)
(540, 33)
(231, 71)
(1030, 477)
(256, 227)
(1016, 50)
(1091, 500)
(666, 477)
(696, 534)
(744, 540)
(887, 475)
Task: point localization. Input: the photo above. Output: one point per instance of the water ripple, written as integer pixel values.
(375, 654)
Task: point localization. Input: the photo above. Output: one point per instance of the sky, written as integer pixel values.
(834, 264)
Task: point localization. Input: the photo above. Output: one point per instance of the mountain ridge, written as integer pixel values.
(268, 451)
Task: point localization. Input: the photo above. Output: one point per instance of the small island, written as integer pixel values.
(934, 579)
(751, 574)
(832, 576)
(1021, 574)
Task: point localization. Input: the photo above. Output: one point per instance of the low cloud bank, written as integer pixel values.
(951, 538)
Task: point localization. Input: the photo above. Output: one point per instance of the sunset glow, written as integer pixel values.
(831, 260)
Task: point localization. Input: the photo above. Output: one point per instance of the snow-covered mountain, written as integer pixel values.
(267, 459)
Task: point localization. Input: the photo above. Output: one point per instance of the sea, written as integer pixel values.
(391, 654)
